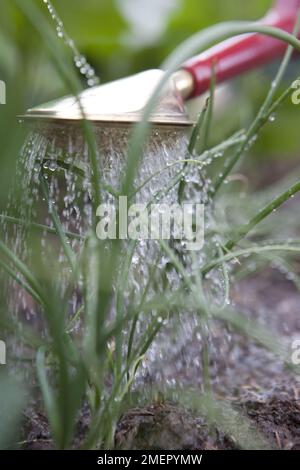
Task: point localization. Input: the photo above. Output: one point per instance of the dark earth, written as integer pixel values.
(257, 385)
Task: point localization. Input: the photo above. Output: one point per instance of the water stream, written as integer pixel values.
(60, 156)
(80, 60)
(57, 156)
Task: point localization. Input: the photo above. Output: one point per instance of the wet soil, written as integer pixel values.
(167, 426)
(255, 383)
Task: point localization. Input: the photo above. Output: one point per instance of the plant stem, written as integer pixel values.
(260, 119)
(265, 212)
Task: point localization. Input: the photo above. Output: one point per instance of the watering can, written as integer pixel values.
(122, 102)
(113, 108)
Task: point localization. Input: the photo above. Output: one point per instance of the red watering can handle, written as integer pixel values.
(243, 53)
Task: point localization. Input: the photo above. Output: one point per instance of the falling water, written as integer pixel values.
(79, 60)
(59, 156)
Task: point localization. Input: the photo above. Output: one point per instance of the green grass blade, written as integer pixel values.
(39, 227)
(21, 283)
(250, 251)
(22, 268)
(197, 43)
(261, 117)
(262, 214)
(48, 396)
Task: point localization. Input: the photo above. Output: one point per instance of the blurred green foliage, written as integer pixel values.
(12, 394)
(121, 37)
(110, 35)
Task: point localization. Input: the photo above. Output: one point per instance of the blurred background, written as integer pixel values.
(119, 38)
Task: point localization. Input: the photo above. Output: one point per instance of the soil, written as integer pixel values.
(251, 379)
(167, 427)
(254, 382)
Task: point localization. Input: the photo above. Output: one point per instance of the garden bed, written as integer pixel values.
(246, 375)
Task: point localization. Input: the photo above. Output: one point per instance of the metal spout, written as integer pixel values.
(123, 101)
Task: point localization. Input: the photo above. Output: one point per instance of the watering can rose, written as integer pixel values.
(152, 222)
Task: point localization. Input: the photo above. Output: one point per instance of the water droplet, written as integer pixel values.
(52, 166)
(272, 118)
(79, 60)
